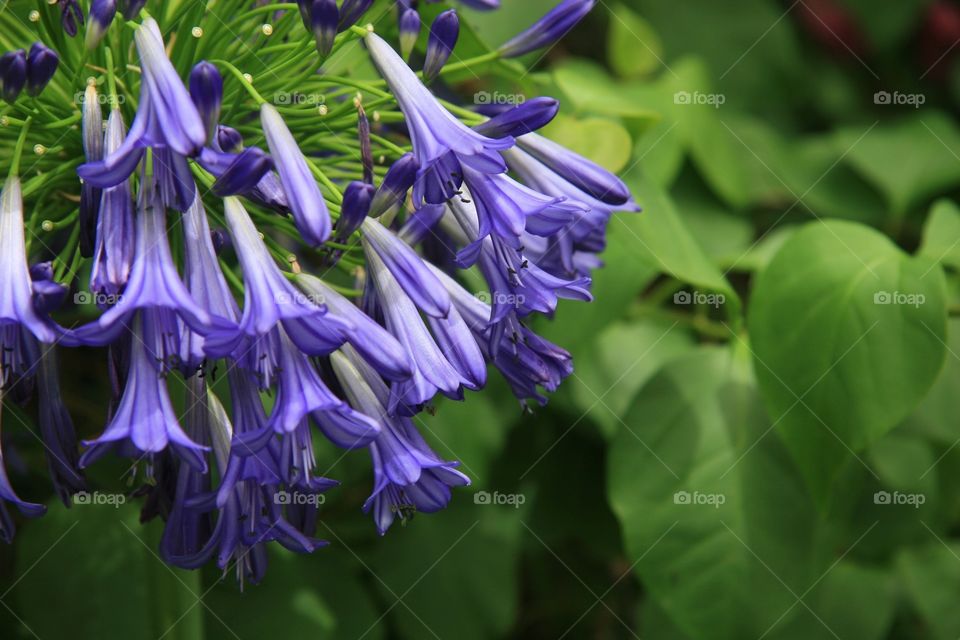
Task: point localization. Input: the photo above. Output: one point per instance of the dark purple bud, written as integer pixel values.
(206, 91)
(443, 37)
(13, 74)
(48, 294)
(482, 5)
(304, 6)
(229, 139)
(351, 11)
(42, 63)
(353, 211)
(400, 177)
(522, 119)
(548, 29)
(324, 18)
(221, 240)
(70, 16)
(131, 8)
(101, 15)
(244, 173)
(409, 31)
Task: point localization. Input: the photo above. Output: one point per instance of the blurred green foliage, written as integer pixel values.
(760, 437)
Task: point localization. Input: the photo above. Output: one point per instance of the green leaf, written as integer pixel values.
(633, 47)
(931, 576)
(589, 88)
(97, 566)
(908, 161)
(848, 333)
(622, 359)
(454, 571)
(662, 240)
(941, 234)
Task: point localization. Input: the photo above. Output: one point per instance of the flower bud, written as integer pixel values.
(409, 31)
(13, 74)
(351, 11)
(354, 209)
(400, 177)
(520, 120)
(229, 139)
(206, 91)
(443, 37)
(101, 15)
(42, 64)
(548, 29)
(131, 8)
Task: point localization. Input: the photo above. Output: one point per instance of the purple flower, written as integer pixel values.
(520, 120)
(584, 174)
(166, 119)
(441, 142)
(443, 38)
(237, 173)
(303, 194)
(408, 475)
(70, 15)
(42, 62)
(482, 5)
(7, 494)
(400, 177)
(374, 343)
(145, 417)
(548, 29)
(113, 252)
(269, 300)
(90, 195)
(131, 8)
(357, 198)
(154, 284)
(351, 10)
(205, 282)
(56, 429)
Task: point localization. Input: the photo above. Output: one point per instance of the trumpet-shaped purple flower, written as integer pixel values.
(303, 194)
(444, 33)
(145, 417)
(113, 251)
(441, 143)
(166, 118)
(584, 174)
(269, 300)
(408, 475)
(548, 29)
(375, 344)
(444, 361)
(154, 285)
(17, 312)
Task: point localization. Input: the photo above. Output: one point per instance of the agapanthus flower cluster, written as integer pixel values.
(264, 278)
